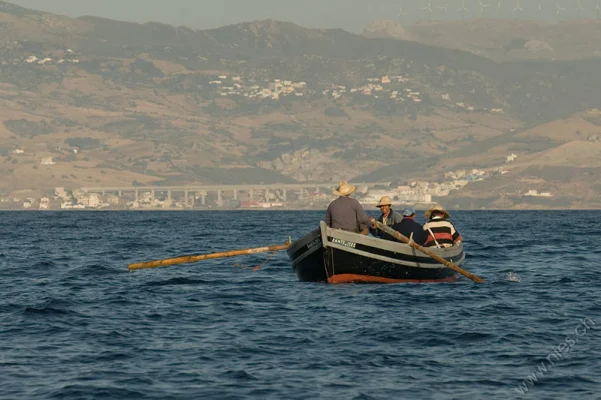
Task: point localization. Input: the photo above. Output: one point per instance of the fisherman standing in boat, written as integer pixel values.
(439, 230)
(345, 212)
(409, 228)
(388, 218)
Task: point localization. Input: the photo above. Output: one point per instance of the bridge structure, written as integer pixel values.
(220, 193)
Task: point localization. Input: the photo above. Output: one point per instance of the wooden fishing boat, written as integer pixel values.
(337, 256)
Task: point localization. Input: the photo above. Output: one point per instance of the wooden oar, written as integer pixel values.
(199, 257)
(397, 235)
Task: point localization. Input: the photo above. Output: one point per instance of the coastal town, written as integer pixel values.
(273, 196)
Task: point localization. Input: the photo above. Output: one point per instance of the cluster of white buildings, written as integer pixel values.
(463, 174)
(421, 192)
(401, 195)
(147, 202)
(30, 203)
(385, 87)
(79, 199)
(466, 107)
(535, 193)
(235, 86)
(392, 87)
(48, 60)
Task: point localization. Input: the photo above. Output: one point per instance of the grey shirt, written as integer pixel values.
(347, 214)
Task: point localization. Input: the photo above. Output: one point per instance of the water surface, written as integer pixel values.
(75, 323)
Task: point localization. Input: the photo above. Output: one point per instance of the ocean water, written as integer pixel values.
(76, 324)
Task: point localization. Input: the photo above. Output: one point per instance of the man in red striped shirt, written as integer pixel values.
(441, 232)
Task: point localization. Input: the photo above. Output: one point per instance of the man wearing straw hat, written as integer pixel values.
(441, 232)
(388, 218)
(345, 212)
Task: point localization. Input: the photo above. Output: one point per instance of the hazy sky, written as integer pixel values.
(351, 15)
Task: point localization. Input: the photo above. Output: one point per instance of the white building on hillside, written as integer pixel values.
(44, 203)
(535, 193)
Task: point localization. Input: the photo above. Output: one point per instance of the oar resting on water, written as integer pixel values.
(200, 257)
(398, 236)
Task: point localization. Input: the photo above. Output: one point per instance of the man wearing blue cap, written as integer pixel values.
(409, 228)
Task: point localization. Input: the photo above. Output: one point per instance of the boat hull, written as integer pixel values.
(336, 256)
(307, 258)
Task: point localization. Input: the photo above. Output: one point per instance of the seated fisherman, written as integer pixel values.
(439, 230)
(345, 212)
(388, 218)
(409, 228)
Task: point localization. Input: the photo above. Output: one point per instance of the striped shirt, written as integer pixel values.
(441, 233)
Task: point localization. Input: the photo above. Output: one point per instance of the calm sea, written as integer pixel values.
(76, 324)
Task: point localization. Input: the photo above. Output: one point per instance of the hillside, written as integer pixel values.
(108, 103)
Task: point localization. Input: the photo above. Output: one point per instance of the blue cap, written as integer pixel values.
(409, 211)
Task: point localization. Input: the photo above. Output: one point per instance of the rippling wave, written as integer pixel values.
(75, 323)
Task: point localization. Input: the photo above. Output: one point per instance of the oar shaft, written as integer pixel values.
(200, 257)
(397, 235)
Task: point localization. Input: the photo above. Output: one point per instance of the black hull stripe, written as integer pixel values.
(342, 262)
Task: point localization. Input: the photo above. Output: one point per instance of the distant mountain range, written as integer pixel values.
(501, 39)
(116, 103)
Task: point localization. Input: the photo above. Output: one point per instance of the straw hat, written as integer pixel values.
(384, 201)
(344, 189)
(438, 208)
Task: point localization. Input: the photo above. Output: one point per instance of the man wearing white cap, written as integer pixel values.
(345, 212)
(388, 218)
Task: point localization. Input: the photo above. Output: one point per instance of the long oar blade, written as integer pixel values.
(397, 235)
(200, 257)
